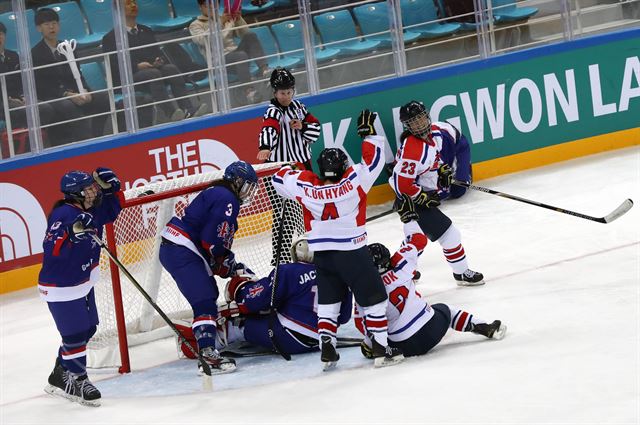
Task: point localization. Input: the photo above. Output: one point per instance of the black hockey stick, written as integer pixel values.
(382, 214)
(622, 209)
(274, 281)
(206, 382)
(256, 351)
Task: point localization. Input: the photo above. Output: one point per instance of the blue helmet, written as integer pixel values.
(73, 184)
(243, 179)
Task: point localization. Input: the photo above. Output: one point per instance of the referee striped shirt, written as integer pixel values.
(286, 143)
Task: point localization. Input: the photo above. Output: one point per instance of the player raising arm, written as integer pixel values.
(334, 203)
(69, 272)
(419, 173)
(415, 326)
(198, 246)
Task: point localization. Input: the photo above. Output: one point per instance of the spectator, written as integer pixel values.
(57, 84)
(148, 64)
(10, 62)
(238, 55)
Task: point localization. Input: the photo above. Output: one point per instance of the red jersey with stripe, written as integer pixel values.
(335, 213)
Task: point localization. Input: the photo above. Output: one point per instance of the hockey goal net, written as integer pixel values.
(126, 318)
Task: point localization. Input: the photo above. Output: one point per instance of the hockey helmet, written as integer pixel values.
(416, 119)
(381, 256)
(333, 162)
(282, 79)
(74, 184)
(243, 179)
(300, 250)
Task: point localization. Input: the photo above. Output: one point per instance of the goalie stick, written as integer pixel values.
(622, 209)
(256, 351)
(206, 378)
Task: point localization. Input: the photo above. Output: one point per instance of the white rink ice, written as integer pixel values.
(567, 288)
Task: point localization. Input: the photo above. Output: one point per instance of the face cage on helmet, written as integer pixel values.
(419, 125)
(81, 196)
(247, 191)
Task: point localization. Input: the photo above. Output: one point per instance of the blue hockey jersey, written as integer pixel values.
(454, 150)
(296, 298)
(69, 270)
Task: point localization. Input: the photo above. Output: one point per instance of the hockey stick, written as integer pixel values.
(343, 342)
(622, 209)
(274, 281)
(383, 214)
(206, 378)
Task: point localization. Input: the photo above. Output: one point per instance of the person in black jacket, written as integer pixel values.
(57, 84)
(10, 62)
(149, 63)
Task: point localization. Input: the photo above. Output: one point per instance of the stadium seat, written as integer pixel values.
(416, 12)
(99, 16)
(9, 21)
(374, 18)
(289, 36)
(72, 25)
(506, 11)
(338, 30)
(155, 14)
(249, 9)
(93, 73)
(186, 8)
(271, 49)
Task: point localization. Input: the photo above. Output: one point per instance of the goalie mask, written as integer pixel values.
(243, 179)
(80, 187)
(381, 256)
(416, 120)
(332, 162)
(300, 250)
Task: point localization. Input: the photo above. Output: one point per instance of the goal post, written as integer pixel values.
(126, 319)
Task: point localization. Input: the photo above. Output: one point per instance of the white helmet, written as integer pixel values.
(300, 250)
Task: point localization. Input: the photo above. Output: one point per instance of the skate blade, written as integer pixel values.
(219, 371)
(89, 403)
(384, 361)
(464, 283)
(59, 393)
(326, 366)
(499, 334)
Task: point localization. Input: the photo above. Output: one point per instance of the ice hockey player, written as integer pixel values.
(419, 172)
(69, 272)
(335, 201)
(198, 246)
(415, 326)
(246, 316)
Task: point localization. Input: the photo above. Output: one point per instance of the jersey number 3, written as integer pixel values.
(330, 212)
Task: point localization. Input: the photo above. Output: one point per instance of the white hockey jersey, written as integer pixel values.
(407, 312)
(335, 213)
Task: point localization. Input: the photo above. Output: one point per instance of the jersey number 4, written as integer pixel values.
(330, 212)
(398, 297)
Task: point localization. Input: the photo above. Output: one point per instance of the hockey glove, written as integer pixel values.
(81, 228)
(226, 266)
(445, 176)
(407, 209)
(234, 285)
(365, 123)
(427, 199)
(107, 180)
(367, 351)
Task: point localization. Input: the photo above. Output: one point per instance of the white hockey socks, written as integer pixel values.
(328, 321)
(453, 250)
(375, 322)
(461, 320)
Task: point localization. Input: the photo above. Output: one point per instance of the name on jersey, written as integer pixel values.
(328, 193)
(307, 277)
(389, 277)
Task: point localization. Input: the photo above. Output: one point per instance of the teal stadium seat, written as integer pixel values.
(9, 21)
(507, 11)
(93, 73)
(72, 25)
(289, 37)
(338, 31)
(99, 16)
(416, 12)
(374, 18)
(271, 50)
(155, 14)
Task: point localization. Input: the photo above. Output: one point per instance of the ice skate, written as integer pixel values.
(88, 394)
(328, 354)
(216, 362)
(61, 384)
(469, 278)
(495, 330)
(385, 356)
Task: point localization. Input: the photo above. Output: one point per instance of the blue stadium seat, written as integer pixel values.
(334, 27)
(249, 9)
(9, 21)
(93, 73)
(155, 14)
(416, 12)
(506, 11)
(72, 25)
(289, 36)
(374, 18)
(271, 49)
(186, 8)
(194, 53)
(99, 16)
